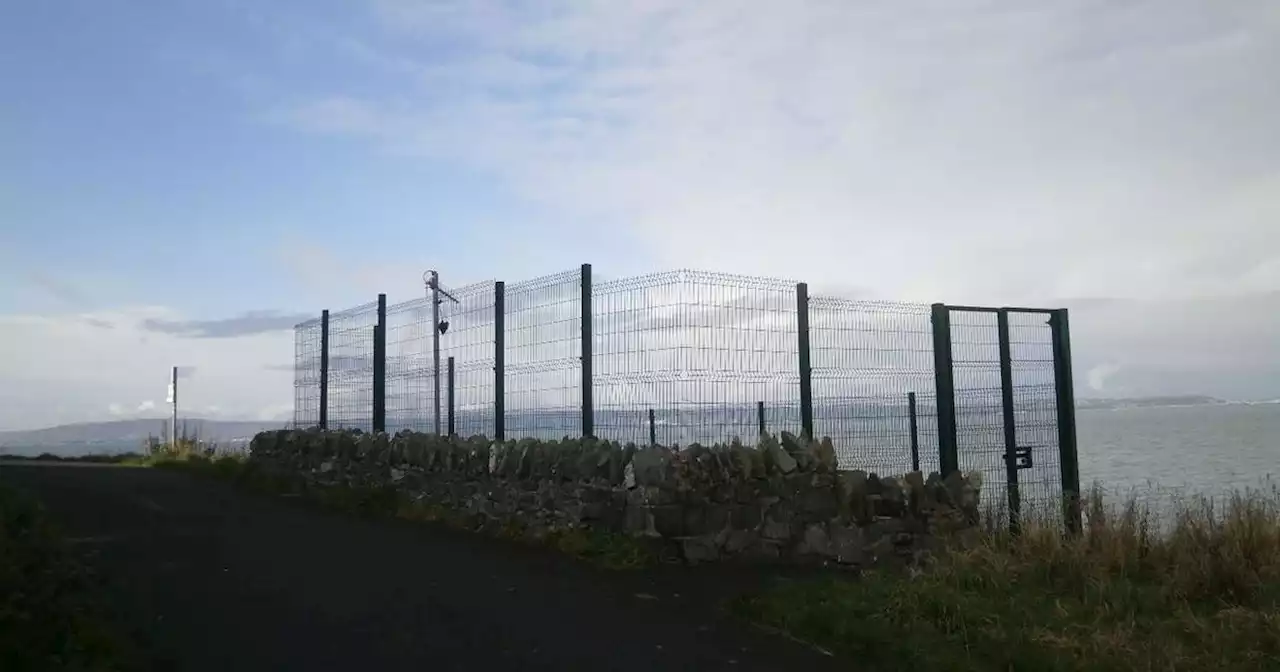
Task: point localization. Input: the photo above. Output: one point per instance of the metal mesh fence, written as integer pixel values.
(687, 356)
(469, 340)
(306, 373)
(410, 386)
(351, 367)
(699, 350)
(411, 373)
(979, 408)
(543, 332)
(867, 357)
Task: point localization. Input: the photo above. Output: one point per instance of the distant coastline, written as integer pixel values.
(1173, 401)
(129, 435)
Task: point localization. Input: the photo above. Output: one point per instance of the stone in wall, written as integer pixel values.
(782, 499)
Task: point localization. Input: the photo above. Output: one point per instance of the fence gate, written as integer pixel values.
(1006, 408)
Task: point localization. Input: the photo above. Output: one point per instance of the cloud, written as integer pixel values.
(1098, 375)
(972, 151)
(146, 406)
(59, 288)
(253, 322)
(57, 379)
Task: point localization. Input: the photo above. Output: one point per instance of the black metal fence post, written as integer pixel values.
(653, 430)
(944, 382)
(588, 405)
(915, 432)
(499, 361)
(324, 369)
(449, 397)
(760, 417)
(1010, 423)
(380, 367)
(1065, 400)
(806, 370)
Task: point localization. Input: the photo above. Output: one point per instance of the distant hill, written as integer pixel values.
(122, 432)
(1149, 402)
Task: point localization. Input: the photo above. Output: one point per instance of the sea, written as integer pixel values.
(1160, 452)
(1157, 453)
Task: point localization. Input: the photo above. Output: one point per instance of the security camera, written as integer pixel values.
(443, 326)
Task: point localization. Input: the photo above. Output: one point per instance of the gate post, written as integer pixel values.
(1010, 423)
(499, 361)
(380, 367)
(915, 431)
(588, 405)
(944, 383)
(449, 394)
(806, 368)
(1065, 401)
(324, 369)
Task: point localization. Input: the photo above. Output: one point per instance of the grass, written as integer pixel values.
(602, 549)
(1200, 592)
(50, 616)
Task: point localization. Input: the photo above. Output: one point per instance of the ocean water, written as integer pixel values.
(1161, 452)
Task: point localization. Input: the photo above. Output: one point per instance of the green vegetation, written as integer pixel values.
(1202, 593)
(50, 618)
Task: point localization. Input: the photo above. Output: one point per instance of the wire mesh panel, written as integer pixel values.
(411, 373)
(867, 356)
(351, 367)
(1036, 413)
(306, 373)
(410, 390)
(699, 350)
(543, 357)
(980, 433)
(469, 339)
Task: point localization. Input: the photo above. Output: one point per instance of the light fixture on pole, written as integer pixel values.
(438, 327)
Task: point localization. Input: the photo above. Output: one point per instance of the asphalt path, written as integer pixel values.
(215, 578)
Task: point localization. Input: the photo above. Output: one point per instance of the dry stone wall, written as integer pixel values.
(782, 500)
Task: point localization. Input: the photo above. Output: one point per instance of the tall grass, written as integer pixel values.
(1134, 591)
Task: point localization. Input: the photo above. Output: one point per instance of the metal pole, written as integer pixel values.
(760, 417)
(1010, 423)
(1065, 400)
(945, 385)
(499, 361)
(451, 396)
(588, 403)
(380, 367)
(653, 430)
(324, 370)
(806, 369)
(915, 433)
(435, 343)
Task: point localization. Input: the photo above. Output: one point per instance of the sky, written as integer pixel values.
(183, 181)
